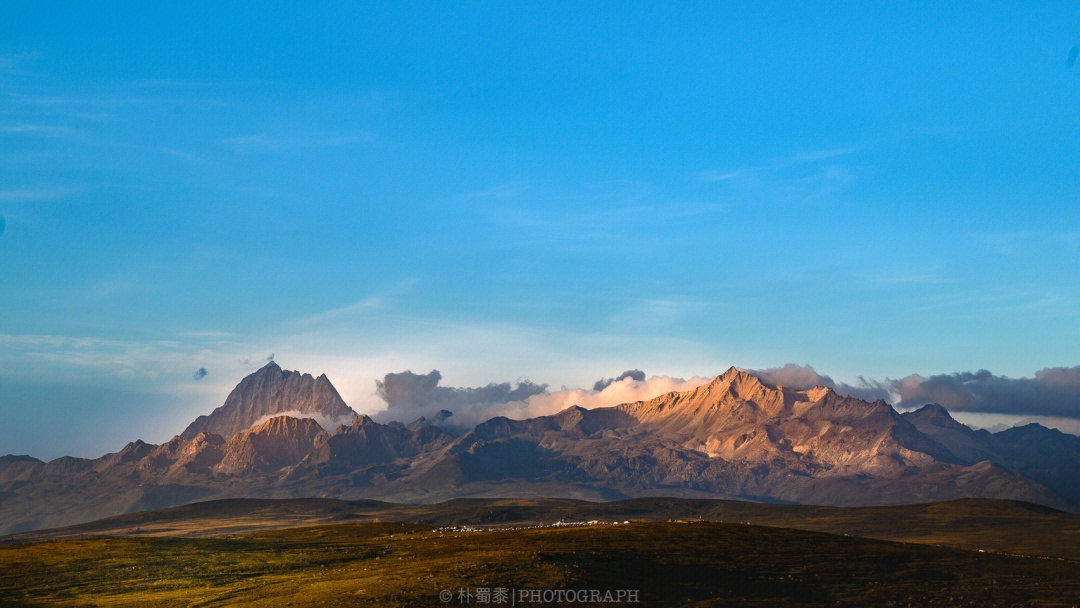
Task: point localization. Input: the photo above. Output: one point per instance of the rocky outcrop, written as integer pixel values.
(271, 391)
(277, 443)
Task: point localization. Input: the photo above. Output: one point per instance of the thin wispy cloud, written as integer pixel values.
(824, 154)
(810, 176)
(51, 340)
(15, 63)
(256, 141)
(271, 143)
(370, 303)
(509, 189)
(172, 152)
(914, 278)
(106, 99)
(344, 140)
(602, 216)
(804, 176)
(1013, 242)
(616, 194)
(35, 194)
(39, 130)
(718, 176)
(373, 302)
(780, 164)
(1005, 243)
(657, 311)
(572, 227)
(1000, 303)
(677, 210)
(206, 334)
(193, 84)
(1047, 304)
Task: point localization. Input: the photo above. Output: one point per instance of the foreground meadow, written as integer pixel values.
(667, 563)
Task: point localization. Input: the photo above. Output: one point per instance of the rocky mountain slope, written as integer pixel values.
(736, 437)
(1045, 455)
(738, 417)
(279, 442)
(270, 391)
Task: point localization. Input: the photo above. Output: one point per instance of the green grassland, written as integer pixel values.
(381, 564)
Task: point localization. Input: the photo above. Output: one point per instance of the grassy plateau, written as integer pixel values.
(687, 563)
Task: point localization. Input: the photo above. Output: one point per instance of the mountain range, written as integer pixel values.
(283, 434)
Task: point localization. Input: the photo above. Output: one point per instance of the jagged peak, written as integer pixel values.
(732, 384)
(739, 382)
(134, 450)
(173, 443)
(570, 410)
(205, 437)
(272, 391)
(360, 421)
(744, 380)
(731, 374)
(934, 408)
(133, 446)
(819, 392)
(934, 413)
(272, 366)
(272, 372)
(737, 385)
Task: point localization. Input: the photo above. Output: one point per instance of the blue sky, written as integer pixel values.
(502, 191)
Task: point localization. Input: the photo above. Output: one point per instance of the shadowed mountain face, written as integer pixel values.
(270, 391)
(1047, 456)
(364, 441)
(735, 437)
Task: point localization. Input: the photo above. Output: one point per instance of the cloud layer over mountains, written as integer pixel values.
(409, 396)
(805, 376)
(1052, 392)
(633, 374)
